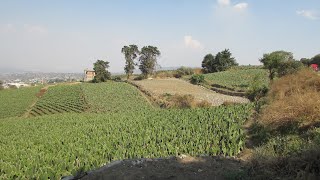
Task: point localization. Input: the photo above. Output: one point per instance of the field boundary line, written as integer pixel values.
(145, 94)
(27, 113)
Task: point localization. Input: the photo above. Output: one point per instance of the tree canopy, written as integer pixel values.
(1, 83)
(130, 52)
(207, 63)
(316, 60)
(279, 63)
(102, 74)
(148, 59)
(221, 62)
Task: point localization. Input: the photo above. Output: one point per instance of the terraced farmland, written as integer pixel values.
(60, 99)
(15, 102)
(62, 144)
(114, 97)
(238, 79)
(158, 87)
(120, 124)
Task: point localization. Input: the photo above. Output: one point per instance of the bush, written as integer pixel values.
(139, 78)
(204, 104)
(257, 93)
(197, 79)
(164, 74)
(181, 101)
(177, 75)
(183, 71)
(117, 79)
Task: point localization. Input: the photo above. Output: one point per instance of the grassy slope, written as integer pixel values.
(62, 144)
(15, 102)
(238, 79)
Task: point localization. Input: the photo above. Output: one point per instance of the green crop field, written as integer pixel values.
(127, 126)
(114, 97)
(60, 99)
(15, 102)
(238, 79)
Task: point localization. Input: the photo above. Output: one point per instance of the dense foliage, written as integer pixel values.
(238, 79)
(15, 102)
(197, 79)
(148, 59)
(315, 60)
(221, 62)
(280, 63)
(102, 74)
(130, 52)
(184, 71)
(60, 99)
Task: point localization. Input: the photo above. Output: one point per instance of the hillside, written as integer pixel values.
(119, 124)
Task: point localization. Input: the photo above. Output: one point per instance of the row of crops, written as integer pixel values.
(62, 144)
(119, 124)
(114, 97)
(60, 99)
(15, 102)
(238, 79)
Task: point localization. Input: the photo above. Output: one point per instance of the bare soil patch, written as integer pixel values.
(159, 87)
(183, 167)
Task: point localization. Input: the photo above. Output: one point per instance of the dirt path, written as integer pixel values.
(143, 94)
(158, 87)
(182, 167)
(38, 95)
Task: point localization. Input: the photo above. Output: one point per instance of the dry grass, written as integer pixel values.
(197, 71)
(294, 99)
(164, 74)
(158, 87)
(182, 101)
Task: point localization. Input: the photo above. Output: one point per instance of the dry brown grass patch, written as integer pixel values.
(293, 99)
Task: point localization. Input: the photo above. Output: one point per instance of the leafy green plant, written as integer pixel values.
(127, 126)
(197, 79)
(15, 102)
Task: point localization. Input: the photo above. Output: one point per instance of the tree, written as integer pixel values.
(100, 68)
(224, 61)
(221, 62)
(305, 61)
(148, 60)
(288, 67)
(274, 60)
(1, 85)
(130, 53)
(316, 60)
(207, 63)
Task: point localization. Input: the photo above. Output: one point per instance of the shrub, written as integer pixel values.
(182, 101)
(204, 104)
(117, 79)
(197, 79)
(185, 71)
(229, 103)
(177, 75)
(164, 74)
(139, 78)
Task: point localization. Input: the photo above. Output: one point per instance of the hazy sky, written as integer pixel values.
(69, 35)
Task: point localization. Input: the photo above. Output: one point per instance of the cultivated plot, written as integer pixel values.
(158, 87)
(60, 99)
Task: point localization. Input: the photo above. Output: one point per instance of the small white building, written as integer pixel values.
(18, 85)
